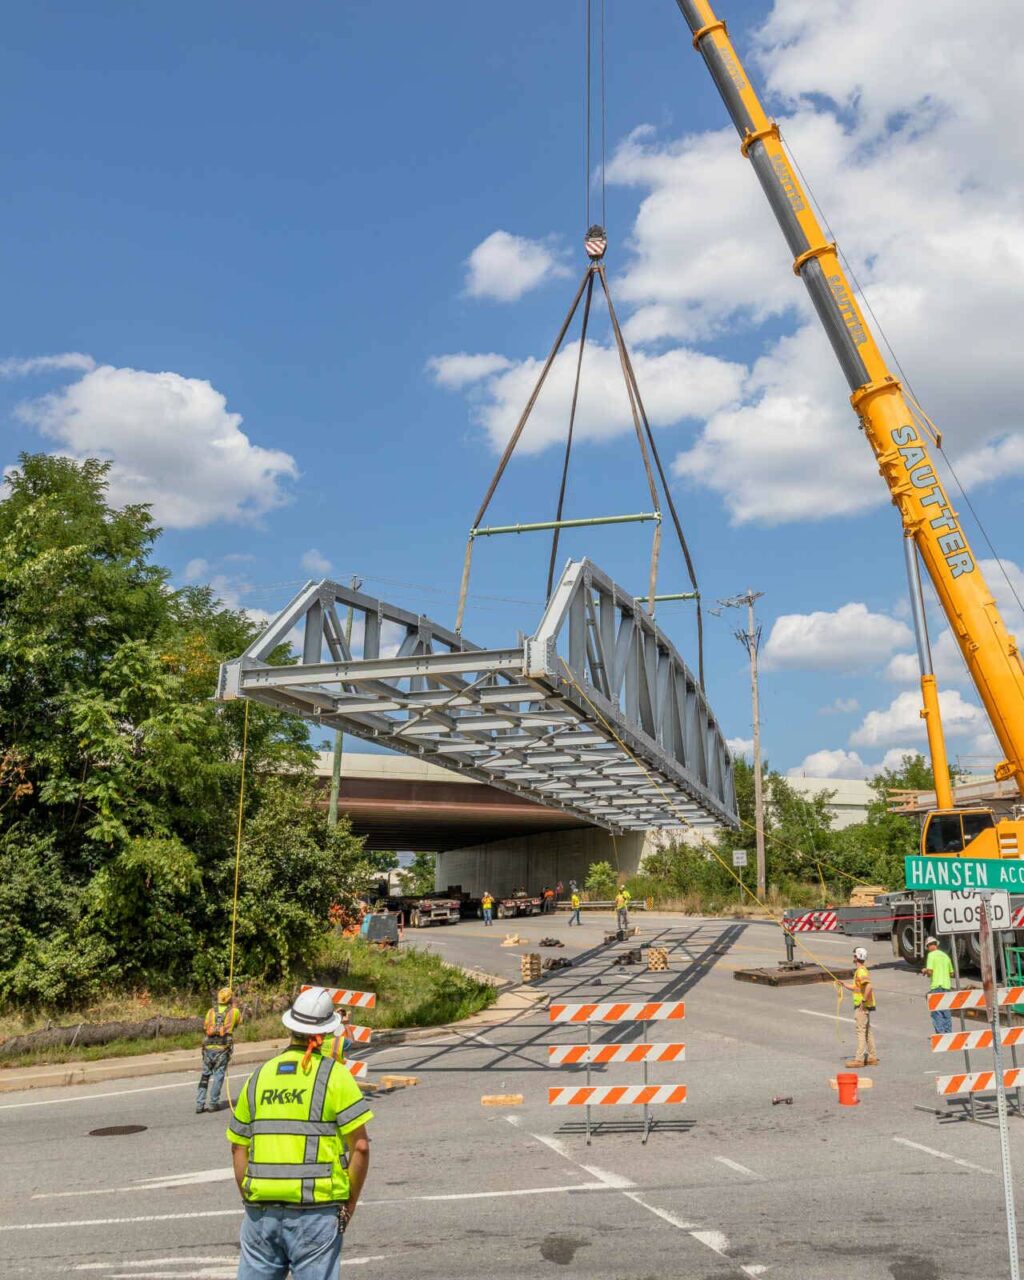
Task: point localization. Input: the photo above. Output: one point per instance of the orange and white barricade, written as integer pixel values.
(978, 1081)
(350, 1031)
(973, 999)
(957, 1041)
(586, 1055)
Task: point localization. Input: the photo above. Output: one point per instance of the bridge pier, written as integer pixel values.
(530, 862)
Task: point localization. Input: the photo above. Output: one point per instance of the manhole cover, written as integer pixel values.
(117, 1130)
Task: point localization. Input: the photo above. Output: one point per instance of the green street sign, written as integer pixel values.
(964, 873)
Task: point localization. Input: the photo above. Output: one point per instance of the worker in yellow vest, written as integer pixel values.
(621, 909)
(487, 905)
(863, 1008)
(300, 1151)
(337, 1045)
(219, 1027)
(575, 903)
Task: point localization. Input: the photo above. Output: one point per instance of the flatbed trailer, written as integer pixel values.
(423, 911)
(904, 919)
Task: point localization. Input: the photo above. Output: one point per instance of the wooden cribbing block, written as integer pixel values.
(657, 959)
(502, 1100)
(398, 1082)
(863, 1082)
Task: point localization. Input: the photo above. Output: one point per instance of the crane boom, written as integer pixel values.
(989, 650)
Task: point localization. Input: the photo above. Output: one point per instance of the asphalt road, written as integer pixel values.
(728, 1185)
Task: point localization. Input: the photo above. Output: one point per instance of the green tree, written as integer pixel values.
(119, 775)
(601, 881)
(418, 877)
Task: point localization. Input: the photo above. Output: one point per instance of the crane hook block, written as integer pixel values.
(596, 242)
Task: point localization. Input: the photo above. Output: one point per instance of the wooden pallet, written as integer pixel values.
(657, 959)
(530, 967)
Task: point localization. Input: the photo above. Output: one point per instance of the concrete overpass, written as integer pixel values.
(486, 838)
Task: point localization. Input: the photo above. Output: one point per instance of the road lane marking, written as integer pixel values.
(114, 1093)
(659, 1213)
(942, 1155)
(740, 1168)
(613, 1180)
(181, 1259)
(363, 1204)
(832, 1017)
(716, 1241)
(146, 1184)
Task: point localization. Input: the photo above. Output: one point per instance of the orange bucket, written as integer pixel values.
(846, 1083)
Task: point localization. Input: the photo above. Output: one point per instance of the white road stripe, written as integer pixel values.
(615, 1180)
(815, 1013)
(942, 1155)
(114, 1093)
(740, 1168)
(659, 1213)
(148, 1184)
(160, 1262)
(363, 1204)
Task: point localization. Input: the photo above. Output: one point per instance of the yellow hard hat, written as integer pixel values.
(224, 995)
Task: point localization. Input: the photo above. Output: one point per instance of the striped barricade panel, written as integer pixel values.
(657, 1011)
(613, 1094)
(813, 922)
(360, 1035)
(956, 1041)
(359, 999)
(1017, 919)
(570, 1053)
(973, 999)
(357, 1066)
(978, 1081)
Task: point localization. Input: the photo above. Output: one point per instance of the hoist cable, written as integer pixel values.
(238, 844)
(586, 116)
(568, 441)
(604, 128)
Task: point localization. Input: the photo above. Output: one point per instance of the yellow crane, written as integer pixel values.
(896, 429)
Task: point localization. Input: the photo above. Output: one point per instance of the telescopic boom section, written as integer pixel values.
(989, 650)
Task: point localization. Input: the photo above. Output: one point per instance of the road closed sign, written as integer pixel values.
(958, 912)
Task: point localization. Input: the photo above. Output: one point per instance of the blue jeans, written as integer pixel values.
(488, 915)
(942, 1019)
(215, 1068)
(574, 918)
(275, 1238)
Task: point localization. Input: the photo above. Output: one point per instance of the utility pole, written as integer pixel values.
(339, 736)
(751, 641)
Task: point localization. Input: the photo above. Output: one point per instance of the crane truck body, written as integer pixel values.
(898, 432)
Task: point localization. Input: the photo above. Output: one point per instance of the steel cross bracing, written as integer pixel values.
(596, 714)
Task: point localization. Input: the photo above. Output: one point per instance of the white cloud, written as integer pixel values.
(172, 442)
(831, 764)
(947, 663)
(461, 369)
(1007, 594)
(940, 255)
(740, 747)
(900, 723)
(675, 385)
(23, 367)
(840, 707)
(504, 267)
(196, 569)
(851, 638)
(315, 563)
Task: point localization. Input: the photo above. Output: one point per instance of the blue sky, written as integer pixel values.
(275, 209)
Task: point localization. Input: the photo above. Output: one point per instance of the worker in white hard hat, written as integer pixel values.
(863, 1008)
(938, 967)
(300, 1151)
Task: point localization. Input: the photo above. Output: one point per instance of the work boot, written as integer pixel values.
(215, 1107)
(871, 1062)
(200, 1109)
(856, 1062)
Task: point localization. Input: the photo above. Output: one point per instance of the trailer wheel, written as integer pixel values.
(903, 941)
(972, 950)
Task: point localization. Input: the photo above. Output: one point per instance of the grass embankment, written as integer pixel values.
(413, 988)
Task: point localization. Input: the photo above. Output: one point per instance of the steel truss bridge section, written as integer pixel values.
(596, 714)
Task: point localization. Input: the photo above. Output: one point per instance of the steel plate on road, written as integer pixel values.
(958, 912)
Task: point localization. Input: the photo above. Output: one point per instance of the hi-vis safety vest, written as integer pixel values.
(219, 1025)
(293, 1123)
(861, 979)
